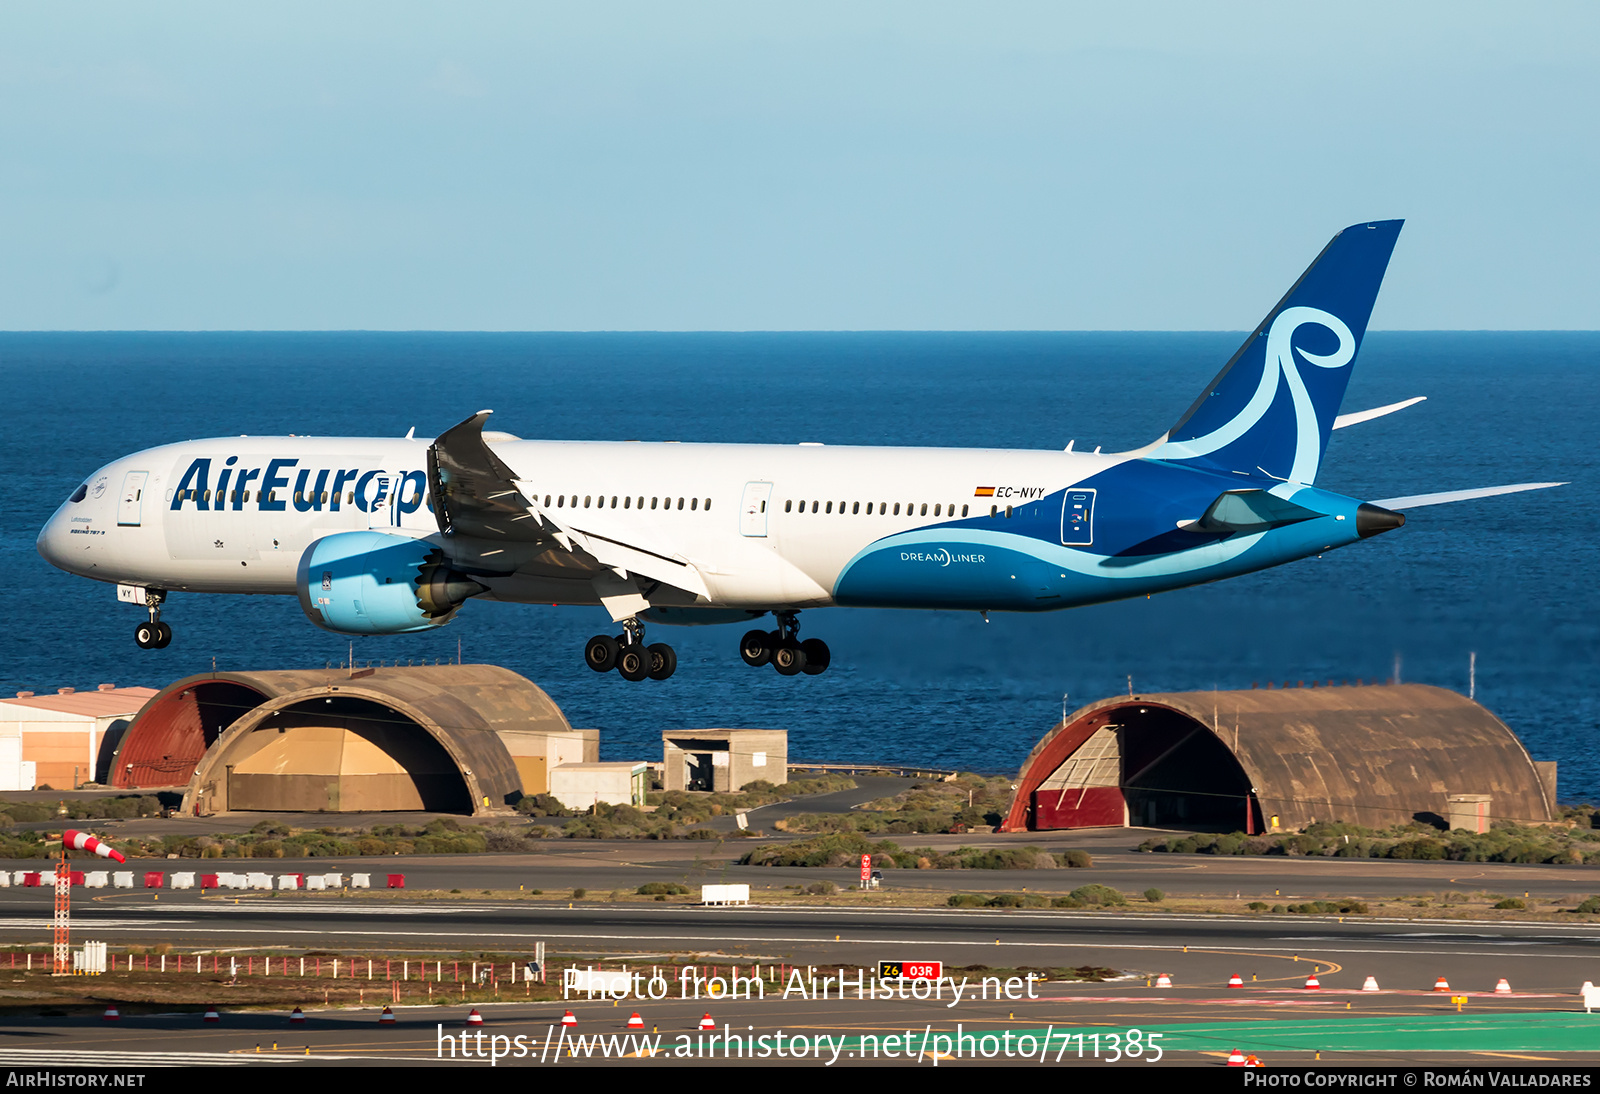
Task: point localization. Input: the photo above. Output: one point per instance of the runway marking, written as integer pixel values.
(1514, 1056)
(1075, 919)
(1333, 966)
(1161, 999)
(122, 1060)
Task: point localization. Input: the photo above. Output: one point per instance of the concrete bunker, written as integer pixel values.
(723, 760)
(444, 738)
(1253, 760)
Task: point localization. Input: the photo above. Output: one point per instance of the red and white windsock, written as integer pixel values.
(83, 841)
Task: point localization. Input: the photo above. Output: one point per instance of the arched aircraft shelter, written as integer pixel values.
(1234, 760)
(437, 738)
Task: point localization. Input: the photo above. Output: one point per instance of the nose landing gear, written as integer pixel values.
(783, 651)
(154, 635)
(628, 654)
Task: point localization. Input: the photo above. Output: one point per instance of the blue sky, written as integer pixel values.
(786, 167)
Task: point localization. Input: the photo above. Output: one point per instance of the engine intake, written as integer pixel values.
(377, 583)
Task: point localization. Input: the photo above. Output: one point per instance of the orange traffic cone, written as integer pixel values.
(473, 1017)
(297, 1015)
(1235, 1058)
(1503, 987)
(1441, 984)
(1164, 981)
(1370, 984)
(212, 1015)
(387, 1017)
(1235, 981)
(1312, 983)
(1252, 1060)
(707, 1023)
(569, 1020)
(111, 1014)
(635, 1022)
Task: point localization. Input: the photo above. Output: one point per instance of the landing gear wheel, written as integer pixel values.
(756, 648)
(817, 656)
(163, 636)
(634, 662)
(789, 658)
(600, 653)
(146, 635)
(663, 661)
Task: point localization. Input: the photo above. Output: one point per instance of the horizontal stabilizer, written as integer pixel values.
(1359, 416)
(1417, 501)
(1248, 511)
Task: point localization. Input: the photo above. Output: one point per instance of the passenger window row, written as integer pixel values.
(883, 508)
(570, 501)
(272, 495)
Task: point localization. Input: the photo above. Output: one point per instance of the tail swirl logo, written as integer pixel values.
(1280, 363)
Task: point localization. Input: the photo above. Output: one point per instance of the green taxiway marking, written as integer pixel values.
(1523, 1032)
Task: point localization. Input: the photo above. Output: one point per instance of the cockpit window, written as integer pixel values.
(80, 493)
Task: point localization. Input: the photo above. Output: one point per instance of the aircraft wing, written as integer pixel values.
(477, 494)
(474, 492)
(1417, 501)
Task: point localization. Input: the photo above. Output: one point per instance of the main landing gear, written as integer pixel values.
(154, 635)
(783, 651)
(627, 653)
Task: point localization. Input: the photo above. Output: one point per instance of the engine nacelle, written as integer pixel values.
(376, 583)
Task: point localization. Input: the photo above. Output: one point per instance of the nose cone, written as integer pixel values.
(51, 543)
(1373, 519)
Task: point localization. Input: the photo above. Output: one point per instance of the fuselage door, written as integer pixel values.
(753, 509)
(382, 510)
(1077, 518)
(129, 508)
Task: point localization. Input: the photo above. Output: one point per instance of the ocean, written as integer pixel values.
(1510, 579)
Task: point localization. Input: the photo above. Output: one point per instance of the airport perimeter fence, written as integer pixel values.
(589, 979)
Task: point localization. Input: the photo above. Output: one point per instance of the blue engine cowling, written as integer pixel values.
(376, 583)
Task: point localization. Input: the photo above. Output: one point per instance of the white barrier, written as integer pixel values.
(1591, 996)
(360, 881)
(259, 881)
(288, 881)
(181, 881)
(91, 959)
(5, 879)
(334, 880)
(724, 894)
(122, 879)
(17, 876)
(96, 879)
(232, 881)
(315, 882)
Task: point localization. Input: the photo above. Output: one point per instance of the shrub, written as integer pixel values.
(1076, 859)
(1511, 903)
(579, 894)
(1590, 906)
(662, 888)
(821, 888)
(1154, 896)
(1098, 894)
(1257, 906)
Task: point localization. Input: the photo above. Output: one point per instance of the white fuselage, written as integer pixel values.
(764, 526)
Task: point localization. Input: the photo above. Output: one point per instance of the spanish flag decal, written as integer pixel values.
(983, 492)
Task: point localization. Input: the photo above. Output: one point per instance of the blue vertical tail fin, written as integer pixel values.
(1270, 410)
